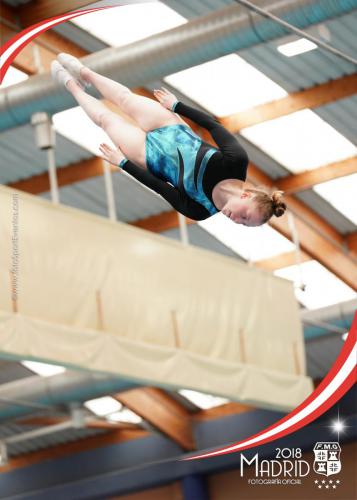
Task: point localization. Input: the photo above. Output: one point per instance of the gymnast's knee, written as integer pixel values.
(104, 119)
(123, 98)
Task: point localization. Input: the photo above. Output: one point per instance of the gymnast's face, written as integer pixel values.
(242, 209)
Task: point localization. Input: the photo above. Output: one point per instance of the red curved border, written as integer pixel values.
(56, 20)
(346, 351)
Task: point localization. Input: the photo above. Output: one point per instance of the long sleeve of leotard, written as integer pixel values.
(228, 144)
(179, 201)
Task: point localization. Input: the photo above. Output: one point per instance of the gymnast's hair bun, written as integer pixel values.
(279, 206)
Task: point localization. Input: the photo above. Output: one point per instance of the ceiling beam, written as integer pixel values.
(328, 253)
(76, 172)
(282, 260)
(35, 12)
(163, 412)
(305, 180)
(231, 408)
(310, 98)
(351, 241)
(26, 59)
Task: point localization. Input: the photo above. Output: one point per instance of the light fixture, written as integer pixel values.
(43, 369)
(297, 47)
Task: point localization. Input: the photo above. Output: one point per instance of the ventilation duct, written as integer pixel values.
(65, 388)
(320, 322)
(217, 34)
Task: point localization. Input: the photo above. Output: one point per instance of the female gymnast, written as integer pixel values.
(165, 154)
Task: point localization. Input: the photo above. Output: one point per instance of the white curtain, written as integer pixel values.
(111, 297)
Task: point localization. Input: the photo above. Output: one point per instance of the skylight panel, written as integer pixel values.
(43, 369)
(342, 194)
(119, 26)
(103, 406)
(226, 85)
(297, 47)
(300, 141)
(251, 243)
(323, 288)
(125, 415)
(13, 76)
(202, 400)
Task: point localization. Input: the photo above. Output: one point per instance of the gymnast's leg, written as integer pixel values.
(148, 113)
(129, 138)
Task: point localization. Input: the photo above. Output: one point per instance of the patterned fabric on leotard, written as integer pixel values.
(175, 154)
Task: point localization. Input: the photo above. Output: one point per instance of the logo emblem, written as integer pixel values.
(327, 458)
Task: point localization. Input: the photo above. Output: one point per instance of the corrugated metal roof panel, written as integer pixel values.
(21, 158)
(40, 442)
(311, 68)
(292, 73)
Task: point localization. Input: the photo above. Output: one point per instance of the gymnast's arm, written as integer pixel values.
(232, 151)
(179, 201)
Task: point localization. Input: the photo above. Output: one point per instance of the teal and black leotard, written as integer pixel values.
(183, 169)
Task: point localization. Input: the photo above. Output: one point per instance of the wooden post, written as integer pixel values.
(100, 321)
(296, 358)
(175, 329)
(243, 355)
(13, 292)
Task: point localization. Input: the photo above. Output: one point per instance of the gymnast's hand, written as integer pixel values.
(114, 156)
(165, 98)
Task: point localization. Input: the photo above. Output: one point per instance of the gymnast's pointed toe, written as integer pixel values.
(60, 74)
(73, 66)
